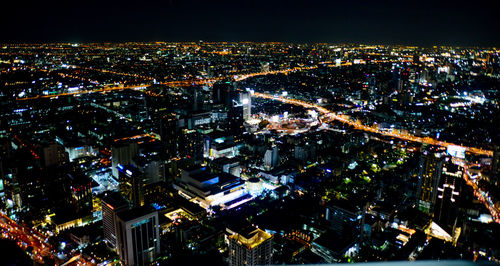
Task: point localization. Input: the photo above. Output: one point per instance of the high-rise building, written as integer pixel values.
(342, 215)
(305, 152)
(81, 191)
(221, 93)
(236, 121)
(54, 154)
(138, 236)
(169, 133)
(448, 196)
(197, 97)
(246, 103)
(132, 183)
(430, 168)
(271, 158)
(152, 167)
(191, 144)
(111, 205)
(122, 154)
(250, 246)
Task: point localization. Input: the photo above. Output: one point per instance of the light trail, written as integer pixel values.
(482, 196)
(33, 238)
(373, 129)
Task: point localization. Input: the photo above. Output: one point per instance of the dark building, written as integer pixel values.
(54, 155)
(191, 145)
(221, 93)
(81, 191)
(236, 121)
(170, 135)
(342, 216)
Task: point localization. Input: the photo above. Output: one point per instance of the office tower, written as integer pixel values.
(250, 246)
(111, 205)
(400, 78)
(152, 167)
(371, 85)
(221, 92)
(194, 120)
(246, 103)
(122, 154)
(430, 168)
(80, 190)
(169, 134)
(448, 196)
(305, 152)
(342, 216)
(191, 145)
(236, 121)
(138, 236)
(271, 158)
(54, 155)
(197, 97)
(132, 183)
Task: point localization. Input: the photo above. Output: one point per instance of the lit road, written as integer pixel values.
(481, 195)
(25, 238)
(331, 116)
(180, 83)
(28, 237)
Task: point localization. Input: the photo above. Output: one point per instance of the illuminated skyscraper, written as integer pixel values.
(132, 184)
(428, 179)
(246, 103)
(448, 196)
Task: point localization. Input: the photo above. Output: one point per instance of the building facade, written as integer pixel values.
(138, 236)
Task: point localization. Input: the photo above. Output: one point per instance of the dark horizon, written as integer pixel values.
(419, 23)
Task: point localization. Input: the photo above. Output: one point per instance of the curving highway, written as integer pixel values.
(331, 116)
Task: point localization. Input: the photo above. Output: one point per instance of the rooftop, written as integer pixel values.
(135, 213)
(251, 237)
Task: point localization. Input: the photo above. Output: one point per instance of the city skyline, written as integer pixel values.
(244, 133)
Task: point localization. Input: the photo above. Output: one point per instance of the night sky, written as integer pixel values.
(350, 21)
